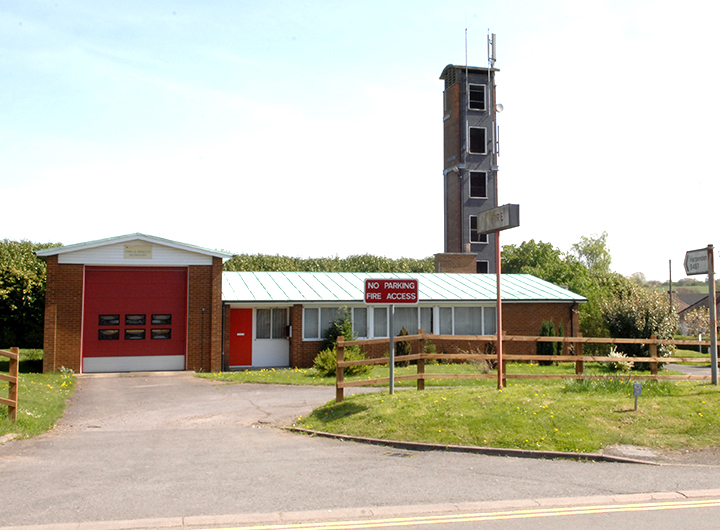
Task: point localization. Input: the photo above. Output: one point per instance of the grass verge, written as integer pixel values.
(307, 376)
(41, 397)
(539, 415)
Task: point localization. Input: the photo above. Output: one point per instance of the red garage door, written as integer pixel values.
(134, 319)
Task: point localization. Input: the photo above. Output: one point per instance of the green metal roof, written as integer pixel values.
(346, 287)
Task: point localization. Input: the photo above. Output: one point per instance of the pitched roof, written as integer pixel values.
(343, 287)
(132, 237)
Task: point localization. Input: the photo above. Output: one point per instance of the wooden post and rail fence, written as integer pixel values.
(419, 340)
(12, 378)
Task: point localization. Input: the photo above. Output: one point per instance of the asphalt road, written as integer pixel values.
(146, 446)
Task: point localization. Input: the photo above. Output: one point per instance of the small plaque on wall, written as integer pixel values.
(138, 251)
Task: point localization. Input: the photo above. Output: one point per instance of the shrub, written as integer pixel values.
(325, 363)
(621, 364)
(341, 326)
(547, 329)
(637, 313)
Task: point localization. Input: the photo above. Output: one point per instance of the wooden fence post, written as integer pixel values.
(579, 365)
(421, 361)
(340, 371)
(13, 372)
(654, 355)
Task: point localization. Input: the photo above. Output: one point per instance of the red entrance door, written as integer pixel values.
(241, 337)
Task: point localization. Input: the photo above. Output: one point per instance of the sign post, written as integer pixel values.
(391, 291)
(495, 220)
(702, 261)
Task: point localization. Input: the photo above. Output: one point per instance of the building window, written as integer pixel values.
(467, 320)
(270, 323)
(359, 321)
(475, 236)
(483, 267)
(135, 320)
(478, 140)
(317, 320)
(108, 334)
(160, 334)
(476, 99)
(109, 320)
(478, 185)
(134, 334)
(161, 320)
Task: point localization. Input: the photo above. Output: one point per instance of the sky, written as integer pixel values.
(314, 128)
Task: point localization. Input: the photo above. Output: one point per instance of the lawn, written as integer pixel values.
(308, 376)
(41, 397)
(557, 415)
(548, 415)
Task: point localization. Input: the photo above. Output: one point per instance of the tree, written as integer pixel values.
(593, 252)
(697, 321)
(639, 313)
(22, 294)
(547, 329)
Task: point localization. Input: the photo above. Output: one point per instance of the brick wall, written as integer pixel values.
(452, 142)
(205, 317)
(456, 263)
(63, 316)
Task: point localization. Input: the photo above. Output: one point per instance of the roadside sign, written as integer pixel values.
(696, 262)
(391, 291)
(501, 218)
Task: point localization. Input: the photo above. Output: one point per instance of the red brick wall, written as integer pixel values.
(452, 152)
(456, 263)
(205, 317)
(63, 316)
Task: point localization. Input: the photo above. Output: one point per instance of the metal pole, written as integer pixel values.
(392, 349)
(713, 315)
(499, 310)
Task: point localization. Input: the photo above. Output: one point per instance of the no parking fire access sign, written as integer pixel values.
(391, 291)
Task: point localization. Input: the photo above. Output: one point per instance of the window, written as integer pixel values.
(478, 140)
(109, 320)
(380, 325)
(475, 236)
(135, 320)
(160, 334)
(359, 321)
(161, 320)
(270, 323)
(108, 334)
(483, 267)
(476, 99)
(467, 320)
(405, 317)
(317, 320)
(311, 323)
(478, 185)
(134, 334)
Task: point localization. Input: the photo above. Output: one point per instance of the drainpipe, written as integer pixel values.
(222, 341)
(202, 341)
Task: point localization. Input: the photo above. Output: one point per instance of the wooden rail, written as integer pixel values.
(420, 339)
(12, 378)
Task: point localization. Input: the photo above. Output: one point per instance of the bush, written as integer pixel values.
(547, 329)
(325, 364)
(637, 313)
(622, 364)
(340, 327)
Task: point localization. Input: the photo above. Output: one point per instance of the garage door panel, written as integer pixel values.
(119, 306)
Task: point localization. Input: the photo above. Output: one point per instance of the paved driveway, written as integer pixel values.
(142, 446)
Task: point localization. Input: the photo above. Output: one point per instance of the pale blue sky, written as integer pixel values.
(315, 128)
